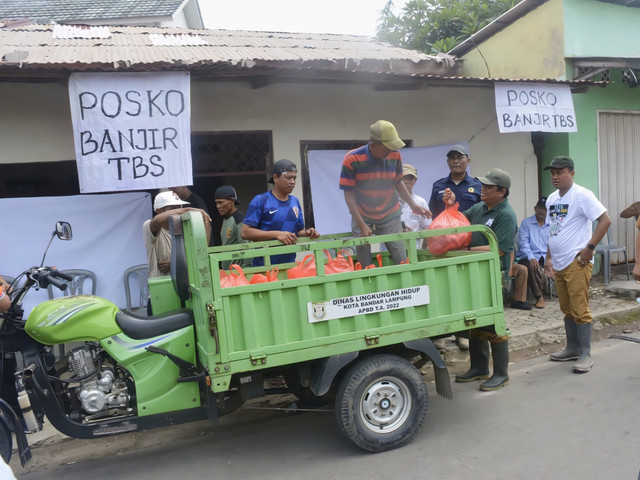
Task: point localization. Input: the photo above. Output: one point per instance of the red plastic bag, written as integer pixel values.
(451, 217)
(305, 268)
(232, 279)
(342, 263)
(268, 276)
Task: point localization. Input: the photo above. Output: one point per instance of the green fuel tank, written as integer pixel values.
(72, 319)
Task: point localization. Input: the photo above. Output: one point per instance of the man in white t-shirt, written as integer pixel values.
(571, 211)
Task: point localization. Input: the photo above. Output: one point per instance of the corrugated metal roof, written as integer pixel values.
(34, 51)
(137, 48)
(65, 10)
(624, 3)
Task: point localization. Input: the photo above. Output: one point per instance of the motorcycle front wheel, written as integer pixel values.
(6, 442)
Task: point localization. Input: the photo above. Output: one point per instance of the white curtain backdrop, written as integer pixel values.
(329, 208)
(107, 238)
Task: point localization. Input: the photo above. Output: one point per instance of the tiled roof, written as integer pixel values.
(64, 48)
(66, 10)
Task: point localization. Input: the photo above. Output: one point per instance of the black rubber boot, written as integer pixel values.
(500, 377)
(571, 351)
(584, 363)
(479, 356)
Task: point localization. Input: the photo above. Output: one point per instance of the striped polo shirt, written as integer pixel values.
(374, 183)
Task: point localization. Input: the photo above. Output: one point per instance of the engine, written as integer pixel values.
(99, 391)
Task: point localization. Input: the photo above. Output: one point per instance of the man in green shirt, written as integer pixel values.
(227, 205)
(495, 212)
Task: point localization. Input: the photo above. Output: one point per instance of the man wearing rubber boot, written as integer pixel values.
(479, 340)
(495, 212)
(571, 211)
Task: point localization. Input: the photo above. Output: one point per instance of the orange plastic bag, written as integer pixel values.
(358, 265)
(305, 268)
(232, 279)
(268, 276)
(451, 217)
(342, 263)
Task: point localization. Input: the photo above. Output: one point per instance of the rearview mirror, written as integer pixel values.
(63, 230)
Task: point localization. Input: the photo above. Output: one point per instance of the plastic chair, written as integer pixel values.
(606, 251)
(141, 274)
(77, 285)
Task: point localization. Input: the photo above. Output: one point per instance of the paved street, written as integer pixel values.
(547, 424)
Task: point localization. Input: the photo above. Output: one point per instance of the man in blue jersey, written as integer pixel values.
(276, 214)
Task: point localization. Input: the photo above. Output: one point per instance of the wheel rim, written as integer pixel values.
(385, 405)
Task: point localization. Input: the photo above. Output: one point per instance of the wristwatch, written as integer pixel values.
(591, 246)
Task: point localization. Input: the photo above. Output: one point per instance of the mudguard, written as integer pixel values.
(323, 376)
(9, 417)
(443, 382)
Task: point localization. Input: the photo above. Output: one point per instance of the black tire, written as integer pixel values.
(6, 442)
(381, 403)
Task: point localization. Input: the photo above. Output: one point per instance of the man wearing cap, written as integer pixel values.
(371, 179)
(157, 238)
(632, 210)
(412, 222)
(466, 188)
(571, 211)
(231, 231)
(533, 240)
(495, 212)
(276, 214)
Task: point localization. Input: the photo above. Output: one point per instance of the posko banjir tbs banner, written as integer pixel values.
(131, 130)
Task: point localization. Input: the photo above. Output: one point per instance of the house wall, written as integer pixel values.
(531, 47)
(36, 122)
(599, 29)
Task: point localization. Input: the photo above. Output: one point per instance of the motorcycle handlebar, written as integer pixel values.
(57, 283)
(64, 276)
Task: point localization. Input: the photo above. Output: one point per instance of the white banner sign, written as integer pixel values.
(534, 107)
(368, 303)
(131, 130)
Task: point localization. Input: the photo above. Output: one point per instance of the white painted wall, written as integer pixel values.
(35, 123)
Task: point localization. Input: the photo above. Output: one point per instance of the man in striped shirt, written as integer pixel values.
(371, 179)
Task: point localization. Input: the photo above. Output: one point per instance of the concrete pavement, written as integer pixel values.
(607, 302)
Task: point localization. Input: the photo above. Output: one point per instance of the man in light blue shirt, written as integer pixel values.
(533, 240)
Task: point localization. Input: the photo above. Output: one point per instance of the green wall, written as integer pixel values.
(599, 29)
(554, 144)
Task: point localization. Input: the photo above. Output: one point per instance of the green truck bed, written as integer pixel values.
(266, 325)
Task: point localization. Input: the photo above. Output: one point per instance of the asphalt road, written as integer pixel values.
(547, 424)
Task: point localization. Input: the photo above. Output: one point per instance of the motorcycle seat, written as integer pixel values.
(139, 328)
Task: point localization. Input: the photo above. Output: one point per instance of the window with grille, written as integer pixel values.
(222, 153)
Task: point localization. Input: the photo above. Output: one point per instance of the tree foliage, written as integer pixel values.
(434, 26)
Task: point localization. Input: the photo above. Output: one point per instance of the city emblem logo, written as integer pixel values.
(319, 310)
